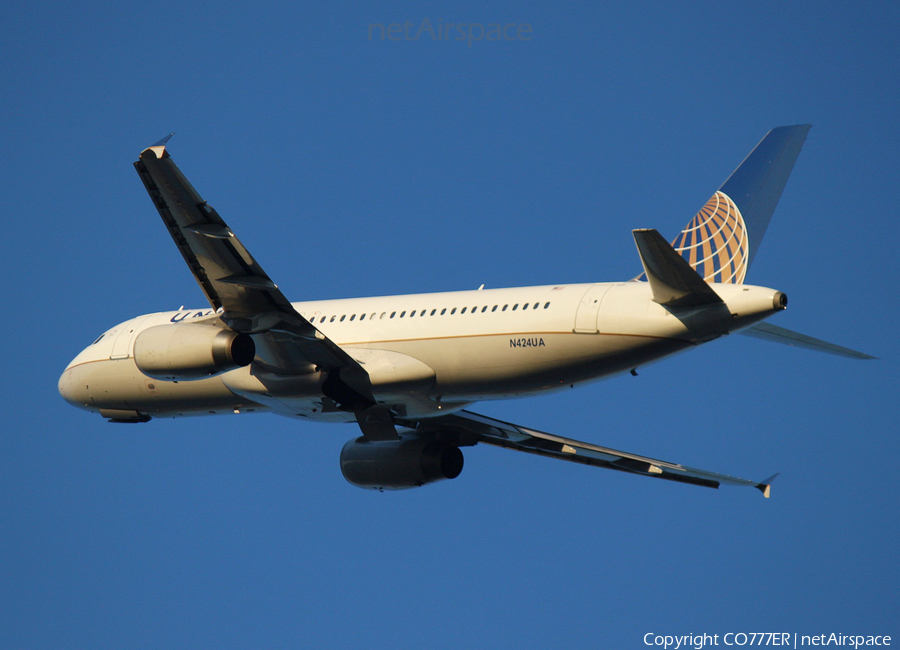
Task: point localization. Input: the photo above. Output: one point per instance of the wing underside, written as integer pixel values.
(467, 428)
(241, 292)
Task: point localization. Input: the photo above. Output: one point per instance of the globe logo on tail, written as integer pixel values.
(715, 242)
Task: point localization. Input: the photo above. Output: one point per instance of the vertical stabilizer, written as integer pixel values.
(721, 241)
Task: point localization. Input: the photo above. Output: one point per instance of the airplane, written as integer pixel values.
(406, 368)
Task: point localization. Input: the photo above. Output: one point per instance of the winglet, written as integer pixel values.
(673, 282)
(766, 486)
(159, 148)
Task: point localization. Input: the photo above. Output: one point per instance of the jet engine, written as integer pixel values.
(186, 351)
(399, 464)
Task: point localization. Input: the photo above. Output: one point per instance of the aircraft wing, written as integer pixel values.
(467, 428)
(237, 287)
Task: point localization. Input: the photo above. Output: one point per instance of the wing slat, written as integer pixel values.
(238, 288)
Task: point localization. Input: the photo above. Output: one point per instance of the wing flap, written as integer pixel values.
(471, 428)
(226, 272)
(237, 287)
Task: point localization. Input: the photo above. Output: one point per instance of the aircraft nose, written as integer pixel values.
(73, 389)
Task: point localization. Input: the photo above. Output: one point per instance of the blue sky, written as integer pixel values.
(352, 166)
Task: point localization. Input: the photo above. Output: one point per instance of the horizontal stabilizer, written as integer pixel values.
(673, 281)
(777, 334)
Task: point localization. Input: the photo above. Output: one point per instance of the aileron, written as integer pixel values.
(511, 436)
(235, 284)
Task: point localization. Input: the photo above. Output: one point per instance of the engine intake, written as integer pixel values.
(187, 351)
(399, 464)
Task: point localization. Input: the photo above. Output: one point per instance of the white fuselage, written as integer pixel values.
(427, 354)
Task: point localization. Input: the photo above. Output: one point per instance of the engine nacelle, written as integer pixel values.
(186, 351)
(399, 464)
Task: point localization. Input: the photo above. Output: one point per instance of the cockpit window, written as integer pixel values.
(98, 339)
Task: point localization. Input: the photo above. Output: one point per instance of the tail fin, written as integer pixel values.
(721, 241)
